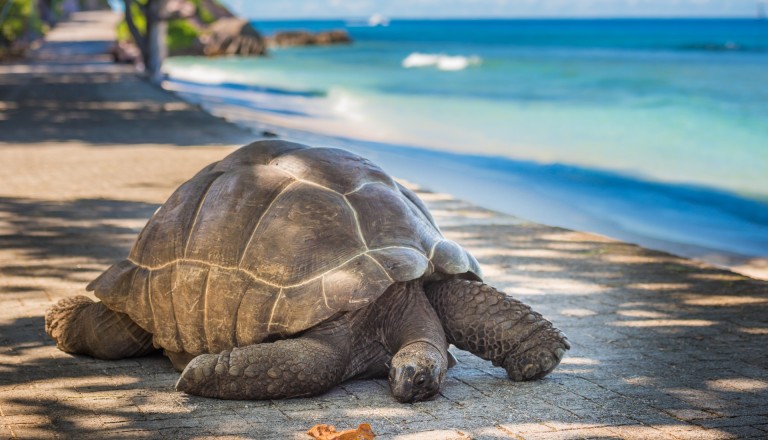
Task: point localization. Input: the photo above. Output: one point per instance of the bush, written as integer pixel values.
(203, 13)
(21, 20)
(181, 35)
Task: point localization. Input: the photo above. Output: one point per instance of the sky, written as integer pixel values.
(287, 9)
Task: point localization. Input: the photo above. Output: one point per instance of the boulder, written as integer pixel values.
(306, 38)
(232, 36)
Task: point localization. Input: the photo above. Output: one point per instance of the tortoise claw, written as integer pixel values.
(536, 362)
(198, 375)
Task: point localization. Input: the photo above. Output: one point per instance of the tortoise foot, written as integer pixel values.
(80, 325)
(539, 360)
(61, 320)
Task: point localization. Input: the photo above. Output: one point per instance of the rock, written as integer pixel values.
(306, 38)
(125, 52)
(336, 36)
(232, 36)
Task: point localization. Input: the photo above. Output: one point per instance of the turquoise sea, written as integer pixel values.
(652, 131)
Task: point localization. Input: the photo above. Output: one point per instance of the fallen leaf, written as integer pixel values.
(328, 432)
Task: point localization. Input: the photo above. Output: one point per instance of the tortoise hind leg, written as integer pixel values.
(488, 323)
(81, 326)
(305, 366)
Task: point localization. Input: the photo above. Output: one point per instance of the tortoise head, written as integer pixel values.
(417, 371)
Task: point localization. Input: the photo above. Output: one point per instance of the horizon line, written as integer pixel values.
(553, 17)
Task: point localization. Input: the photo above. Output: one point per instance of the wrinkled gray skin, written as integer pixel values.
(282, 271)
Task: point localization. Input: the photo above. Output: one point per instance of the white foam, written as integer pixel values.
(198, 74)
(378, 20)
(442, 62)
(456, 63)
(417, 59)
(345, 105)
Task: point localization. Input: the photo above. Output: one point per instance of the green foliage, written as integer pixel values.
(123, 33)
(21, 20)
(181, 35)
(203, 13)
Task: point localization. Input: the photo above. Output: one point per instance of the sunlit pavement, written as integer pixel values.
(662, 347)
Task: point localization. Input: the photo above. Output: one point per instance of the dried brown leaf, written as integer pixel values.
(328, 432)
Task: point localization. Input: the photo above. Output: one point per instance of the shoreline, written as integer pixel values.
(86, 167)
(543, 193)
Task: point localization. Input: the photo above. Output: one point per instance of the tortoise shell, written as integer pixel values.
(272, 240)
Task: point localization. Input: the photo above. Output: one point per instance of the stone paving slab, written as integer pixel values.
(663, 347)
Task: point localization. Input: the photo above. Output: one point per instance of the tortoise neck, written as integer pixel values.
(407, 318)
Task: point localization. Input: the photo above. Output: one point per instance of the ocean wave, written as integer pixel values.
(262, 99)
(223, 79)
(442, 62)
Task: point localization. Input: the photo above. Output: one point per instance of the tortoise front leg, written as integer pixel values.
(304, 366)
(488, 323)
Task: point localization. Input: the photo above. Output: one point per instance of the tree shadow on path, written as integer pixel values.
(662, 347)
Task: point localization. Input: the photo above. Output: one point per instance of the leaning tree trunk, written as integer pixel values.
(138, 37)
(151, 43)
(157, 29)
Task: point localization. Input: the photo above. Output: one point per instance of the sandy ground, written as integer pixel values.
(663, 347)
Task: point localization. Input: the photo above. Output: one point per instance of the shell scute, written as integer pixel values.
(419, 208)
(115, 283)
(225, 292)
(401, 263)
(160, 295)
(230, 211)
(299, 308)
(449, 257)
(398, 227)
(172, 223)
(193, 278)
(255, 312)
(256, 153)
(355, 283)
(138, 304)
(337, 170)
(305, 233)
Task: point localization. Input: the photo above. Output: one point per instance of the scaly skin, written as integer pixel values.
(290, 368)
(480, 319)
(401, 322)
(81, 326)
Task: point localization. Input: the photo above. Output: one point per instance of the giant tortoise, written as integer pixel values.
(284, 270)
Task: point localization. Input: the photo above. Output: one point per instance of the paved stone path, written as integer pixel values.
(663, 347)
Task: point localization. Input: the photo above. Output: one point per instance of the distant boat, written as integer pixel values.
(378, 20)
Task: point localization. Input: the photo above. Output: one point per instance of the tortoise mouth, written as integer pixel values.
(413, 384)
(417, 372)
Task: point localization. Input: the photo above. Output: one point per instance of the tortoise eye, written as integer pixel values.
(420, 379)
